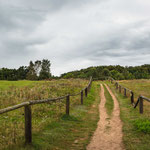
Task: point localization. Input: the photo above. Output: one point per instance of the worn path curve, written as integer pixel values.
(108, 135)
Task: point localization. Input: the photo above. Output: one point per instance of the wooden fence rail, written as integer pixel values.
(139, 100)
(28, 111)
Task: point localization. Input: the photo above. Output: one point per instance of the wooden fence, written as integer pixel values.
(127, 92)
(28, 112)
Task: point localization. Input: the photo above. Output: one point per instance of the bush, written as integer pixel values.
(142, 125)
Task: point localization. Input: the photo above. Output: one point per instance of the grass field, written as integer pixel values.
(136, 127)
(4, 85)
(139, 87)
(50, 124)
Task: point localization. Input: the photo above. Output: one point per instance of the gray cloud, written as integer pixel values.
(74, 34)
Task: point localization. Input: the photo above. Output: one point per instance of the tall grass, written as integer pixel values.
(12, 123)
(136, 126)
(139, 87)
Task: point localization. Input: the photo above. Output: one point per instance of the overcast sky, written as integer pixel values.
(74, 34)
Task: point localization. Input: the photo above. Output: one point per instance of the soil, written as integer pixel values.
(108, 135)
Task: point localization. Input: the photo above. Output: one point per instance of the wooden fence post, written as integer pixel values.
(86, 92)
(120, 88)
(125, 93)
(28, 125)
(81, 97)
(137, 102)
(141, 105)
(116, 85)
(67, 104)
(132, 97)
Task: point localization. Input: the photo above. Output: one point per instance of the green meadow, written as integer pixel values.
(50, 125)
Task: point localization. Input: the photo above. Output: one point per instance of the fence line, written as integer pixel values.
(139, 100)
(28, 111)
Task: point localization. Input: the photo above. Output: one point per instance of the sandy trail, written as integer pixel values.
(108, 135)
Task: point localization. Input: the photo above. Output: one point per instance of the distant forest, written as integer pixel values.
(38, 70)
(117, 72)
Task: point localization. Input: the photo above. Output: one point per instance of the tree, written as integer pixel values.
(31, 75)
(37, 67)
(106, 72)
(45, 69)
(22, 72)
(119, 76)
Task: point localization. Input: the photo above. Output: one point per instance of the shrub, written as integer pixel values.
(142, 125)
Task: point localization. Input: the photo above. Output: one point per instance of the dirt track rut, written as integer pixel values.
(108, 135)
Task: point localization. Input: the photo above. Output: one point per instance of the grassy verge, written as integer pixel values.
(109, 102)
(136, 127)
(69, 132)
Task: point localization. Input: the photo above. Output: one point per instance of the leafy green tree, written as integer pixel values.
(119, 76)
(22, 72)
(106, 72)
(45, 69)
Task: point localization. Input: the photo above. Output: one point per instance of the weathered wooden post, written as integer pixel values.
(116, 85)
(81, 97)
(132, 97)
(120, 88)
(86, 92)
(137, 102)
(67, 104)
(141, 105)
(125, 92)
(28, 125)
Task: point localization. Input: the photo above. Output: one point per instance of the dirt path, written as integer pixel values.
(108, 135)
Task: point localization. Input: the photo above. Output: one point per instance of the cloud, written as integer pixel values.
(74, 34)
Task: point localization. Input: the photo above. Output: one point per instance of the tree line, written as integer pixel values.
(117, 72)
(38, 70)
